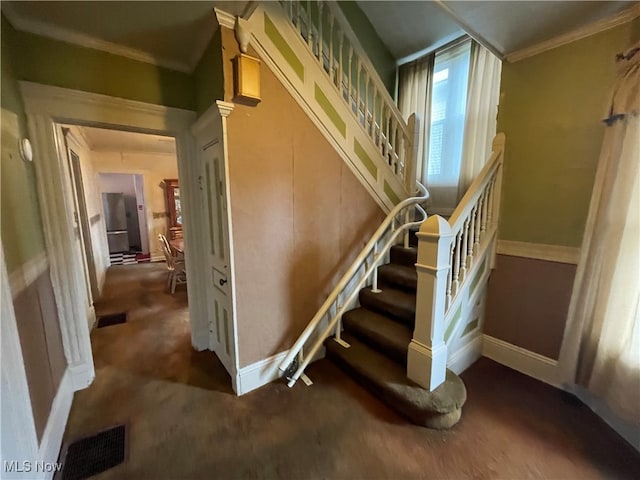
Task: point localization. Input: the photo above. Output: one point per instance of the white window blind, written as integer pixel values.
(448, 105)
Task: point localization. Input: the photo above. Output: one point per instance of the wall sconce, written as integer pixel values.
(26, 152)
(247, 79)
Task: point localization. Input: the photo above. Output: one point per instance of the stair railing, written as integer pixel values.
(335, 46)
(450, 254)
(397, 223)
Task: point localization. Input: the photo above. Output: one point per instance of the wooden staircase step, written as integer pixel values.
(383, 334)
(388, 381)
(396, 304)
(404, 256)
(399, 276)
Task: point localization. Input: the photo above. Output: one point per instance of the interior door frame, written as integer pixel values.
(47, 105)
(72, 145)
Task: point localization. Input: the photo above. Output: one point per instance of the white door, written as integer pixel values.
(216, 231)
(82, 232)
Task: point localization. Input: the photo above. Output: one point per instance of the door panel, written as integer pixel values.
(215, 223)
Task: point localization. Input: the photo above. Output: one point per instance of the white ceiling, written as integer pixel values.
(504, 26)
(105, 140)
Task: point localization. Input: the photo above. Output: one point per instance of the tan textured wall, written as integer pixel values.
(527, 303)
(299, 216)
(154, 168)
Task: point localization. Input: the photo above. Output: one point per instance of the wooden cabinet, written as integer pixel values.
(174, 207)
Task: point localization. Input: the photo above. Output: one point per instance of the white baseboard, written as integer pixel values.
(56, 424)
(465, 356)
(524, 361)
(259, 373)
(264, 371)
(157, 258)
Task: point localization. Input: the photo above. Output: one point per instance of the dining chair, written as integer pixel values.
(175, 266)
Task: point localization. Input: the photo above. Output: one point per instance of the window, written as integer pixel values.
(448, 105)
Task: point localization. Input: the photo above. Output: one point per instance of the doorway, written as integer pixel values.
(46, 106)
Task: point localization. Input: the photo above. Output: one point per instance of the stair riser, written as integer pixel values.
(402, 256)
(394, 281)
(378, 343)
(399, 313)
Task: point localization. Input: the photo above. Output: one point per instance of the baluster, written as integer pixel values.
(298, 17)
(382, 128)
(476, 245)
(485, 208)
(472, 234)
(291, 11)
(341, 64)
(320, 35)
(374, 285)
(366, 100)
(463, 260)
(309, 26)
(331, 34)
(358, 89)
(490, 219)
(456, 262)
(373, 96)
(349, 76)
(450, 277)
(394, 136)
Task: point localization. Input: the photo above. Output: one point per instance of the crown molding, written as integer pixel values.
(43, 29)
(225, 19)
(579, 33)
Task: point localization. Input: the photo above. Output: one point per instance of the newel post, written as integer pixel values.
(427, 359)
(411, 155)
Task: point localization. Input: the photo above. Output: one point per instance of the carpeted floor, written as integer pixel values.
(184, 421)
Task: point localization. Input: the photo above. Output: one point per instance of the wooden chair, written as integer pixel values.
(175, 266)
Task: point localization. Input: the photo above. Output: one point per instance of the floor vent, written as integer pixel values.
(112, 319)
(91, 455)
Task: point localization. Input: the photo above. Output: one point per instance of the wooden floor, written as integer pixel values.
(185, 423)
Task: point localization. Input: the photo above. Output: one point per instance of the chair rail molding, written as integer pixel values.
(539, 251)
(45, 107)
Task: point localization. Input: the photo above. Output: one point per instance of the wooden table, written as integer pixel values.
(178, 245)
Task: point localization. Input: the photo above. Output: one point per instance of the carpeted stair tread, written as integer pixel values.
(404, 256)
(397, 304)
(388, 381)
(383, 334)
(399, 276)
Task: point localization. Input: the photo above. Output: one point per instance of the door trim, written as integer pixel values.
(204, 130)
(47, 105)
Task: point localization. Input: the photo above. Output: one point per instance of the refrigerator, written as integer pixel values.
(115, 218)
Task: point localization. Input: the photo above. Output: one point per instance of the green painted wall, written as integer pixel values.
(374, 47)
(551, 110)
(208, 75)
(52, 62)
(22, 235)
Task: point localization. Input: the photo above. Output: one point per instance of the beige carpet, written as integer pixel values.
(185, 423)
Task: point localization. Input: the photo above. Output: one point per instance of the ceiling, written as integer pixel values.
(105, 140)
(505, 27)
(174, 34)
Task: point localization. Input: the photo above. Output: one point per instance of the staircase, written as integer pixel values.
(379, 333)
(410, 305)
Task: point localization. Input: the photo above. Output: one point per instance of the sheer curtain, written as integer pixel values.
(601, 346)
(482, 109)
(414, 96)
(448, 110)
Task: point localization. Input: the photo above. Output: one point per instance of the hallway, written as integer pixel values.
(185, 422)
